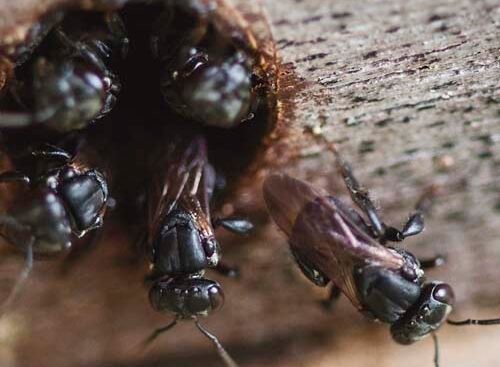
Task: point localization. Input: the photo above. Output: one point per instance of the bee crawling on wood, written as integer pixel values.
(70, 80)
(57, 200)
(333, 243)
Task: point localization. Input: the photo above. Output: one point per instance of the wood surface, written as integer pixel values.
(410, 94)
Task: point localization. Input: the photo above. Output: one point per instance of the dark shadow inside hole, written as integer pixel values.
(141, 125)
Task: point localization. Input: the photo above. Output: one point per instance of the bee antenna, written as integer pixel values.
(158, 332)
(228, 360)
(28, 265)
(474, 322)
(436, 349)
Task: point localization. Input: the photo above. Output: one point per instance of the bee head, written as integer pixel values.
(426, 315)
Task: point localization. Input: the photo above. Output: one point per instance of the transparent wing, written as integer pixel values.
(179, 176)
(323, 232)
(285, 197)
(326, 236)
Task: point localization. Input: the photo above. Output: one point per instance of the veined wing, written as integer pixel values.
(324, 233)
(177, 181)
(327, 236)
(285, 197)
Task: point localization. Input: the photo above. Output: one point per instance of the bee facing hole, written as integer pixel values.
(181, 72)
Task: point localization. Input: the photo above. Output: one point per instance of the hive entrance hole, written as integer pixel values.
(142, 122)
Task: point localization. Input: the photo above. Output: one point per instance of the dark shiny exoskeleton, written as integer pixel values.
(181, 237)
(333, 243)
(207, 74)
(62, 197)
(182, 252)
(58, 200)
(70, 81)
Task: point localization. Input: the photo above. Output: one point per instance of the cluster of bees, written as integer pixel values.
(67, 79)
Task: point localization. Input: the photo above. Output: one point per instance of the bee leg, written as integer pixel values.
(227, 270)
(158, 332)
(334, 295)
(413, 226)
(109, 101)
(81, 49)
(16, 119)
(117, 29)
(235, 225)
(14, 176)
(21, 279)
(52, 152)
(360, 196)
(415, 223)
(433, 262)
(314, 275)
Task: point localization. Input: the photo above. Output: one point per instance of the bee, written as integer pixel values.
(70, 80)
(333, 243)
(56, 199)
(181, 240)
(209, 67)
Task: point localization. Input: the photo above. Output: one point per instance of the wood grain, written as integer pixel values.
(410, 94)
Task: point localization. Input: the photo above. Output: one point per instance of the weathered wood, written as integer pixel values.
(410, 94)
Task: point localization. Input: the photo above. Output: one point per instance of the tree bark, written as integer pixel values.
(409, 92)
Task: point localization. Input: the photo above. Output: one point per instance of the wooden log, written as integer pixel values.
(410, 94)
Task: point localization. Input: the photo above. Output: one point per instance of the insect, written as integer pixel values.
(58, 199)
(333, 243)
(181, 238)
(207, 71)
(70, 80)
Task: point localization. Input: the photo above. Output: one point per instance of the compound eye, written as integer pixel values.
(444, 293)
(216, 297)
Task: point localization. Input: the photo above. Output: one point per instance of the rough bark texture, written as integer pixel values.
(410, 93)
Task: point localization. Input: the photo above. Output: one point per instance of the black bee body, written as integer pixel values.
(71, 80)
(59, 198)
(206, 74)
(332, 242)
(51, 200)
(180, 238)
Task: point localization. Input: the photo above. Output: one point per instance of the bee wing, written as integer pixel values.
(195, 200)
(285, 197)
(323, 232)
(328, 237)
(179, 175)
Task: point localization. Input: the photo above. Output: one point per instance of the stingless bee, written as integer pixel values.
(333, 243)
(208, 65)
(181, 240)
(70, 80)
(57, 199)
